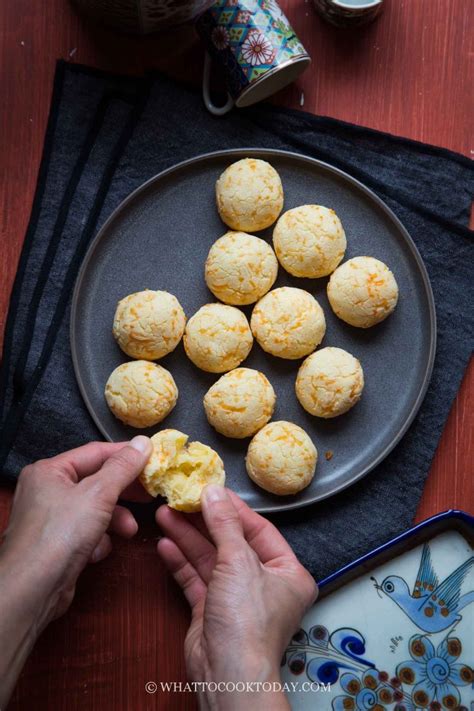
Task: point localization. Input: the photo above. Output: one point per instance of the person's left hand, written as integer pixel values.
(62, 511)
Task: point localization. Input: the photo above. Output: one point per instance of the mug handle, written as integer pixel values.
(216, 110)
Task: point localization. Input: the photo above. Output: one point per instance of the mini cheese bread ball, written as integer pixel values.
(363, 292)
(309, 241)
(148, 324)
(281, 458)
(240, 403)
(288, 323)
(180, 471)
(240, 268)
(249, 195)
(217, 338)
(329, 382)
(141, 393)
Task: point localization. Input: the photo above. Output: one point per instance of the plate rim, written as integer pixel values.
(238, 153)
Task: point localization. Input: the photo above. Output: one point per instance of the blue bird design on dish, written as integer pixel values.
(432, 606)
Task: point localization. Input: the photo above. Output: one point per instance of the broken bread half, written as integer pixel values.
(179, 471)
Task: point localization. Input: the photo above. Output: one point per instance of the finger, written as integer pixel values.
(261, 534)
(102, 549)
(123, 522)
(182, 571)
(197, 521)
(199, 551)
(136, 492)
(120, 470)
(270, 545)
(221, 517)
(86, 460)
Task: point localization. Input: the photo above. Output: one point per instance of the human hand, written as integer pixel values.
(246, 589)
(61, 512)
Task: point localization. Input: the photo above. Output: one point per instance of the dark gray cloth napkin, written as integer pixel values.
(105, 136)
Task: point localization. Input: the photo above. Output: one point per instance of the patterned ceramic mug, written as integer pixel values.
(348, 13)
(255, 44)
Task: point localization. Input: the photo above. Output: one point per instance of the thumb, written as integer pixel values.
(220, 516)
(120, 470)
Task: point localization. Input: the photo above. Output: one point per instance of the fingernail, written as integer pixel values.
(141, 444)
(98, 553)
(213, 493)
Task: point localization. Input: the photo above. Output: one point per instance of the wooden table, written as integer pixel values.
(408, 74)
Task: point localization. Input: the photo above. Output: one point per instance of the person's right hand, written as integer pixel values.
(247, 591)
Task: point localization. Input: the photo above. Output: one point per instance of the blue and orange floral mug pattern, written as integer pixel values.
(249, 38)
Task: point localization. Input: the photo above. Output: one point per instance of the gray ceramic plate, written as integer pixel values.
(158, 238)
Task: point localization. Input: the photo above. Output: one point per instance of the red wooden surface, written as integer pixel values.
(410, 73)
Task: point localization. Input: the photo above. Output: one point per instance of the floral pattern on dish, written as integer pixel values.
(395, 657)
(435, 674)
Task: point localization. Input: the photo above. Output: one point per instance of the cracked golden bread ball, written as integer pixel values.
(240, 268)
(148, 324)
(141, 393)
(249, 195)
(362, 292)
(281, 458)
(288, 323)
(309, 241)
(329, 382)
(179, 470)
(217, 338)
(240, 403)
